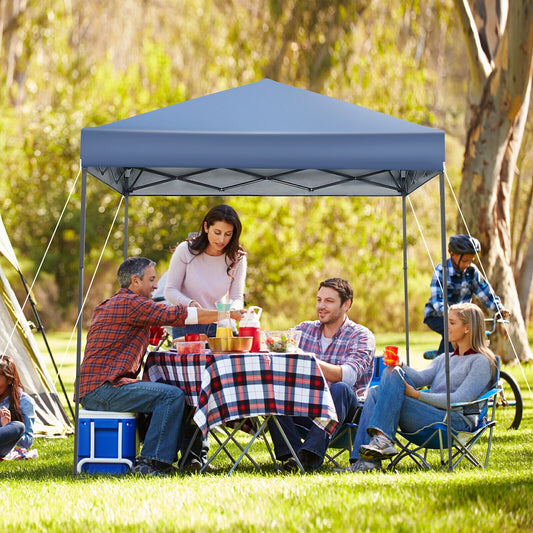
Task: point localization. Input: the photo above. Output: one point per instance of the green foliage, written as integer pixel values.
(74, 71)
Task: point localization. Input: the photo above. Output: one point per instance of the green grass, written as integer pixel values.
(43, 495)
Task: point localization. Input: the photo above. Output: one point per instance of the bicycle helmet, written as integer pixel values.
(463, 244)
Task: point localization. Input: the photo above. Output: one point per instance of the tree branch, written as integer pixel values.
(480, 66)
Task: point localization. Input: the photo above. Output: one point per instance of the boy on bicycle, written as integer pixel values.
(464, 280)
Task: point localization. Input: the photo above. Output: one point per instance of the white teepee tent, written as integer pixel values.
(16, 339)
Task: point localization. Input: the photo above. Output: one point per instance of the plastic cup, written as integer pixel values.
(156, 334)
(390, 355)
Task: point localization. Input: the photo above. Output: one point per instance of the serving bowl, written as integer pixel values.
(230, 344)
(185, 347)
(282, 341)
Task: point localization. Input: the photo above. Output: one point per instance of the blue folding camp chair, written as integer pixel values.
(344, 438)
(435, 436)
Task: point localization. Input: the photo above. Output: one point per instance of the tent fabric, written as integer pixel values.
(16, 339)
(263, 139)
(5, 247)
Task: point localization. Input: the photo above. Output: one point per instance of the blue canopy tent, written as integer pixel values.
(262, 139)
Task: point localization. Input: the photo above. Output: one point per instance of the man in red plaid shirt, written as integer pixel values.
(345, 354)
(116, 344)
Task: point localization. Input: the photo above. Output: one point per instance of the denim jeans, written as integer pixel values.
(316, 439)
(165, 402)
(209, 329)
(9, 436)
(386, 408)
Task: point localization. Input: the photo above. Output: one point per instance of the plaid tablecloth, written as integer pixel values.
(236, 386)
(184, 371)
(228, 387)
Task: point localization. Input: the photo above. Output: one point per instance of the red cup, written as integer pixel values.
(252, 332)
(156, 334)
(390, 355)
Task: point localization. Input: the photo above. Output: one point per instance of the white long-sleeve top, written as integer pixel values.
(204, 278)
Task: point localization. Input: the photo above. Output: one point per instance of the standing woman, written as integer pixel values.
(208, 268)
(203, 270)
(396, 401)
(17, 412)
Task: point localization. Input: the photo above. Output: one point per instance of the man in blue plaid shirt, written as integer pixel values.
(345, 354)
(464, 280)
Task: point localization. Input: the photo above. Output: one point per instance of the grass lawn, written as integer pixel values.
(43, 495)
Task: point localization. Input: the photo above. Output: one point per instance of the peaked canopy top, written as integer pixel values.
(265, 138)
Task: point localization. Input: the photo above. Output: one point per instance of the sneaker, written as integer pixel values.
(151, 467)
(359, 466)
(431, 354)
(379, 447)
(290, 466)
(196, 465)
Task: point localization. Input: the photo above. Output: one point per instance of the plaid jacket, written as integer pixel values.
(118, 338)
(352, 345)
(461, 287)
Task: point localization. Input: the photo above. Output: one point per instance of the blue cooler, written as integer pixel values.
(107, 442)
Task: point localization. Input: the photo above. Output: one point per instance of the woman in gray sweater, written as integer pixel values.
(398, 402)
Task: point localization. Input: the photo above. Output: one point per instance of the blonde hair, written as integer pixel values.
(471, 315)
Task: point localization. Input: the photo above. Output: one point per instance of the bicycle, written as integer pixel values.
(509, 406)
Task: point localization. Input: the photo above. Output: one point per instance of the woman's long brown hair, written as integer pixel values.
(9, 370)
(233, 250)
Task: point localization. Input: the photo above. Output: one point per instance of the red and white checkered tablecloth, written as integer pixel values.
(228, 387)
(184, 371)
(236, 386)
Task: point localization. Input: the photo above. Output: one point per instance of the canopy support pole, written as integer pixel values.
(126, 218)
(445, 316)
(405, 283)
(83, 214)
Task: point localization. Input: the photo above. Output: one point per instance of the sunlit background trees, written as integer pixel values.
(68, 64)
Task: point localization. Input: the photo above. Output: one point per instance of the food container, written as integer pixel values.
(230, 344)
(184, 347)
(249, 327)
(282, 341)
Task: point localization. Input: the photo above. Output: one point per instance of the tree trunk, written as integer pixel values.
(497, 120)
(525, 280)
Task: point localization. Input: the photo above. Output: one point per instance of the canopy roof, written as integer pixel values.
(263, 139)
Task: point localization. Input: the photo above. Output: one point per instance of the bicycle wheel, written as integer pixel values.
(509, 405)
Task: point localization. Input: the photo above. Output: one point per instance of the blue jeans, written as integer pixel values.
(209, 329)
(316, 438)
(165, 402)
(386, 408)
(10, 434)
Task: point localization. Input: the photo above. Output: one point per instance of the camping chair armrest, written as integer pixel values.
(482, 398)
